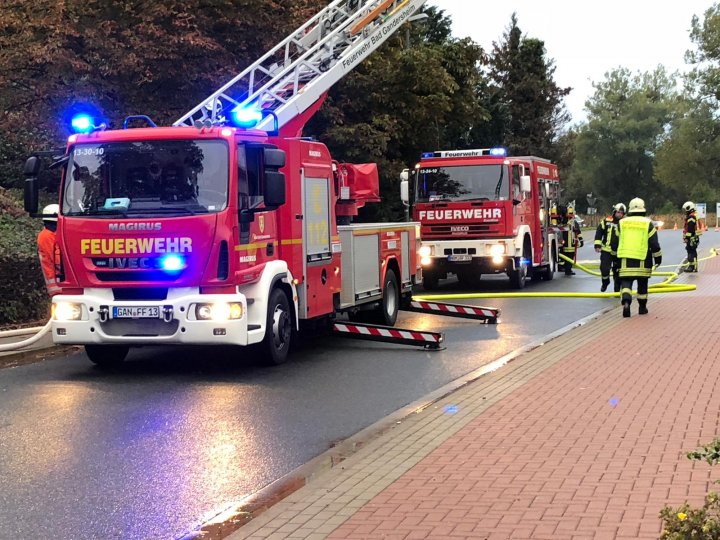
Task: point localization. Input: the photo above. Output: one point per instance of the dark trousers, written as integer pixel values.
(691, 249)
(609, 263)
(567, 266)
(626, 290)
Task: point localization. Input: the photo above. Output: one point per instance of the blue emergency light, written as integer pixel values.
(499, 151)
(172, 263)
(82, 123)
(246, 117)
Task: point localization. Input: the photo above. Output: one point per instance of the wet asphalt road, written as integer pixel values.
(153, 450)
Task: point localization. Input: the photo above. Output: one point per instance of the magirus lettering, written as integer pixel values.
(134, 226)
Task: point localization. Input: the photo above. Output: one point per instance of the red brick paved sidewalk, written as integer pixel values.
(582, 438)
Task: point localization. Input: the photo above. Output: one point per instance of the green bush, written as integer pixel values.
(23, 297)
(686, 522)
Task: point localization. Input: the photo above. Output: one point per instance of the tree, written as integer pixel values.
(629, 115)
(529, 104)
(688, 161)
(126, 57)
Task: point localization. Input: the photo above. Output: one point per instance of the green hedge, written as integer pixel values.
(23, 297)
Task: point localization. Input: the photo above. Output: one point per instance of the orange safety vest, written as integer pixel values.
(49, 259)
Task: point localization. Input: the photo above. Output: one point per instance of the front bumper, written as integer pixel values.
(177, 324)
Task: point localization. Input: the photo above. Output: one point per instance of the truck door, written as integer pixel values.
(316, 294)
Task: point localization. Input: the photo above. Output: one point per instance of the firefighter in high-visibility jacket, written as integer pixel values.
(691, 236)
(48, 250)
(637, 247)
(571, 238)
(604, 234)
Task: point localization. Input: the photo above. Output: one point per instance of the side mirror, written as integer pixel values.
(274, 158)
(31, 171)
(274, 189)
(405, 175)
(404, 191)
(525, 184)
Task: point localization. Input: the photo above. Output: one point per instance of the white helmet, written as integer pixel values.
(51, 209)
(619, 207)
(637, 205)
(689, 206)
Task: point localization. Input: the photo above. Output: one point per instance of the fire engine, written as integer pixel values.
(484, 212)
(229, 227)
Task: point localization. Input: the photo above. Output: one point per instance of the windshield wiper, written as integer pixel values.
(499, 184)
(475, 199)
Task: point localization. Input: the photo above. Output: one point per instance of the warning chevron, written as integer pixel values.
(487, 314)
(428, 340)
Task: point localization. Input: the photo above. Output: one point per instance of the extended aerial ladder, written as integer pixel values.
(291, 80)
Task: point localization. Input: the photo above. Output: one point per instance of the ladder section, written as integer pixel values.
(298, 71)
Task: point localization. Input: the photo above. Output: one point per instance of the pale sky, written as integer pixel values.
(586, 38)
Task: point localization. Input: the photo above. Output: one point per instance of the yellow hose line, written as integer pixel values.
(655, 288)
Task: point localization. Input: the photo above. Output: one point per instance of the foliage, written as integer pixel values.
(22, 289)
(629, 115)
(530, 103)
(686, 522)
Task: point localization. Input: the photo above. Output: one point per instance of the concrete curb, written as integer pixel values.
(235, 516)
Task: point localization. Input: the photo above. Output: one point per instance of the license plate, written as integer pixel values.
(459, 258)
(136, 312)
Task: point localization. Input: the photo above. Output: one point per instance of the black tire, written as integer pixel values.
(518, 277)
(278, 329)
(430, 282)
(549, 273)
(107, 356)
(386, 313)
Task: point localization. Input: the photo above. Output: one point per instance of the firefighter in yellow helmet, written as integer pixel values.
(691, 236)
(604, 234)
(637, 247)
(571, 237)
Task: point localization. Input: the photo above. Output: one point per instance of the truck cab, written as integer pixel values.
(484, 212)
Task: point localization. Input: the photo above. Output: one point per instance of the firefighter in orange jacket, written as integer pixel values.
(47, 248)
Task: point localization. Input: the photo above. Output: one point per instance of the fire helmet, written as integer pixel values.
(637, 205)
(689, 206)
(51, 209)
(620, 207)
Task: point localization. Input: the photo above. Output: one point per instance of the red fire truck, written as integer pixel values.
(483, 212)
(229, 228)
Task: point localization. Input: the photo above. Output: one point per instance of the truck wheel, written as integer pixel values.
(550, 269)
(278, 329)
(107, 356)
(387, 312)
(518, 277)
(430, 282)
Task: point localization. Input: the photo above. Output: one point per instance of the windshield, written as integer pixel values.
(153, 178)
(468, 183)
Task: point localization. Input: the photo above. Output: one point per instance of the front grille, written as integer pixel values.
(133, 276)
(140, 328)
(447, 229)
(141, 293)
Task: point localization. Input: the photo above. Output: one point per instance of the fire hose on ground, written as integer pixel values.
(26, 342)
(663, 287)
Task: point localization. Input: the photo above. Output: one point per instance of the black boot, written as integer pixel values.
(617, 285)
(605, 283)
(626, 309)
(642, 310)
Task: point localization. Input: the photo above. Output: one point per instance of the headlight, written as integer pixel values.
(497, 249)
(425, 261)
(220, 311)
(425, 251)
(66, 311)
